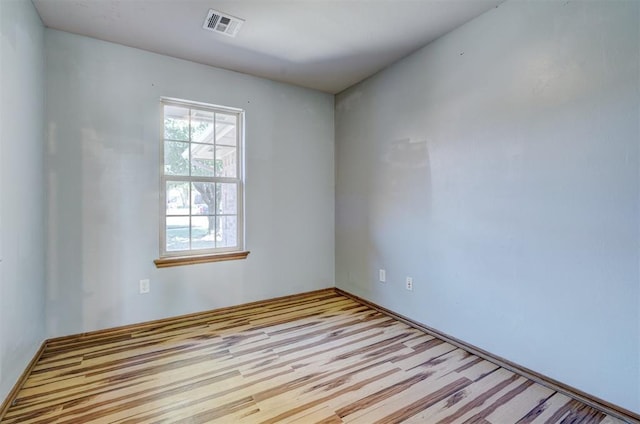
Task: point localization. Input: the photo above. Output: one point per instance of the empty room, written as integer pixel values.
(320, 211)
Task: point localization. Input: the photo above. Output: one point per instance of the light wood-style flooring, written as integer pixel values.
(317, 358)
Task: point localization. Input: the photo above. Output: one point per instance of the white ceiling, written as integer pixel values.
(328, 45)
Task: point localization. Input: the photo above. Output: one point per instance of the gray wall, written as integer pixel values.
(21, 189)
(498, 167)
(103, 169)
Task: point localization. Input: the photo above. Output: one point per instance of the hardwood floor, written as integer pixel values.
(317, 358)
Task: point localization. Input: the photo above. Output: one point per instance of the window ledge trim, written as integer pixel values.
(199, 259)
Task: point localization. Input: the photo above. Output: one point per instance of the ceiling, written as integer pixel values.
(327, 45)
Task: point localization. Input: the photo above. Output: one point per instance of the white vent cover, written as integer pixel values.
(222, 23)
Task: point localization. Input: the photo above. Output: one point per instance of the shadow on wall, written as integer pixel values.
(407, 154)
(400, 205)
(78, 178)
(63, 212)
(403, 176)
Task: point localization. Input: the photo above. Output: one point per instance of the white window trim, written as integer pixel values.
(194, 253)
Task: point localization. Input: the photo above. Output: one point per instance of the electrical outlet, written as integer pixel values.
(145, 286)
(383, 275)
(409, 282)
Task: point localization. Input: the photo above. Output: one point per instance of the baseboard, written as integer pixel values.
(11, 397)
(593, 401)
(59, 342)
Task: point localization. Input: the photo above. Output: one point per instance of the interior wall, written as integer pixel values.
(21, 189)
(103, 131)
(498, 167)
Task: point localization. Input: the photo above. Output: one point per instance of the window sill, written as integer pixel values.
(190, 260)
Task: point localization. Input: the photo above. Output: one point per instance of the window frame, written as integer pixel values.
(207, 254)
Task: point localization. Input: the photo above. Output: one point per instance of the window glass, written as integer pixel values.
(202, 200)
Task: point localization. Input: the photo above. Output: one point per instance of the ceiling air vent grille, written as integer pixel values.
(222, 23)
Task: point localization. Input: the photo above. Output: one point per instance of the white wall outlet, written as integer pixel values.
(382, 274)
(409, 283)
(145, 286)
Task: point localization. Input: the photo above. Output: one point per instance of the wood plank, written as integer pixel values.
(590, 400)
(319, 357)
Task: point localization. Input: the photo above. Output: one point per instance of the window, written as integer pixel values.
(201, 199)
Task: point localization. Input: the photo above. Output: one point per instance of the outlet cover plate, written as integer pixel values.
(145, 286)
(382, 274)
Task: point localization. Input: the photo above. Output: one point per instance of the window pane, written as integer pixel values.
(226, 129)
(201, 126)
(203, 232)
(227, 199)
(177, 197)
(203, 198)
(226, 161)
(202, 179)
(176, 158)
(227, 231)
(202, 160)
(177, 233)
(176, 123)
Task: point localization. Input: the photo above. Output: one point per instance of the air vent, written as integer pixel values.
(222, 23)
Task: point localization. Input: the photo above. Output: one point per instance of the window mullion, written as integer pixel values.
(215, 144)
(184, 178)
(190, 132)
(215, 186)
(203, 178)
